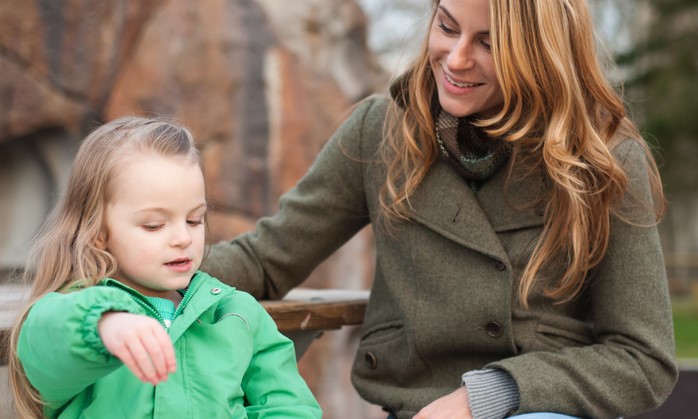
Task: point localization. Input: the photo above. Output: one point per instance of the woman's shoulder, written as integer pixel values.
(371, 111)
(630, 151)
(634, 155)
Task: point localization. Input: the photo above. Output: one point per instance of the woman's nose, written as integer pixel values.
(461, 55)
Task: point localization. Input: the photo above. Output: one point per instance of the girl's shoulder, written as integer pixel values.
(229, 294)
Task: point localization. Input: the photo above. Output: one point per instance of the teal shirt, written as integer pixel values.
(165, 307)
(232, 362)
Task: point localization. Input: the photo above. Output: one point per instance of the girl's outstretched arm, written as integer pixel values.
(59, 345)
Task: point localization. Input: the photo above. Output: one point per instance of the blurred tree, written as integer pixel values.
(662, 85)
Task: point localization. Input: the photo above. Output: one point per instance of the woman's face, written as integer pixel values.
(461, 59)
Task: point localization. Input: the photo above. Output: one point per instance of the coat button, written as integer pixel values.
(499, 265)
(371, 360)
(494, 329)
(215, 291)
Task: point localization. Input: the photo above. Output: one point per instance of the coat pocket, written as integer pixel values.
(386, 356)
(381, 332)
(559, 338)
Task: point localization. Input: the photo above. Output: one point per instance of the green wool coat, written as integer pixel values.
(443, 294)
(231, 360)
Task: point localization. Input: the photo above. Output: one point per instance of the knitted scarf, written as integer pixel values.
(471, 152)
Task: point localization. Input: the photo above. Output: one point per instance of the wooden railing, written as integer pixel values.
(302, 315)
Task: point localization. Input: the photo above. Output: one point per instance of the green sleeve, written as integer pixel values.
(272, 385)
(59, 345)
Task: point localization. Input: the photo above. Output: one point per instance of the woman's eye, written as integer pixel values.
(486, 45)
(152, 227)
(446, 29)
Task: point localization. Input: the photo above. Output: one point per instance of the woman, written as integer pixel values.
(514, 208)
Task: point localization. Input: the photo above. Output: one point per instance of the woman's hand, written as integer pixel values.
(141, 343)
(451, 406)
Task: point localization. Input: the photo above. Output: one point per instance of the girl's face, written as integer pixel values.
(155, 220)
(460, 57)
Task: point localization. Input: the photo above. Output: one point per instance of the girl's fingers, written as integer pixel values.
(153, 348)
(128, 360)
(142, 361)
(141, 343)
(159, 347)
(167, 350)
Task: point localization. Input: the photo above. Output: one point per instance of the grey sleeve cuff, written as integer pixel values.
(493, 393)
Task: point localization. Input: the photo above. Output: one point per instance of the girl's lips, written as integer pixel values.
(180, 265)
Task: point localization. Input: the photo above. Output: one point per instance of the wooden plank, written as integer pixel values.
(313, 309)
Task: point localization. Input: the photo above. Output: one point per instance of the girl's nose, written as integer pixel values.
(181, 236)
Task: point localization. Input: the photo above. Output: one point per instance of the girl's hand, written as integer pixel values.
(451, 406)
(140, 342)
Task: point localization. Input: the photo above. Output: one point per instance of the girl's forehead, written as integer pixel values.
(136, 171)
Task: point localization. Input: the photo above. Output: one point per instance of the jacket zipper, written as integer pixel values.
(150, 309)
(146, 305)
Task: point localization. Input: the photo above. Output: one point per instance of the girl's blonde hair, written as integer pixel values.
(563, 119)
(64, 254)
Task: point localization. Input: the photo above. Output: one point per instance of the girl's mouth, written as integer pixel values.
(180, 265)
(178, 262)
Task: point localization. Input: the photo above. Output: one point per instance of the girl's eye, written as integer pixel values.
(152, 227)
(195, 222)
(446, 29)
(486, 45)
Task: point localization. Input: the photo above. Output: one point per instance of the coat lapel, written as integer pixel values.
(446, 204)
(510, 207)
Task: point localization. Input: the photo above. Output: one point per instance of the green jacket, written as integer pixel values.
(442, 300)
(231, 360)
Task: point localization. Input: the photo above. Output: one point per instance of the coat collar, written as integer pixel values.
(446, 204)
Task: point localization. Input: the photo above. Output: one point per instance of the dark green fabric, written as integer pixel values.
(442, 300)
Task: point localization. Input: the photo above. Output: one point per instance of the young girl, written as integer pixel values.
(120, 322)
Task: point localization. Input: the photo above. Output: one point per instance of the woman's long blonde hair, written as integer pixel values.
(64, 253)
(563, 119)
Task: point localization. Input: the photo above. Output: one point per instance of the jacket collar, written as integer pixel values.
(207, 291)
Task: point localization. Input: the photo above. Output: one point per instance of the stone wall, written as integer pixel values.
(261, 83)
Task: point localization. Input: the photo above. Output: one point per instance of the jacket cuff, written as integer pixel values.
(89, 328)
(493, 393)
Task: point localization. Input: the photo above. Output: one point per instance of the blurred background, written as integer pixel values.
(263, 83)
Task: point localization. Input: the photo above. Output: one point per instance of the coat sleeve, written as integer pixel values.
(272, 384)
(59, 345)
(630, 367)
(322, 212)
